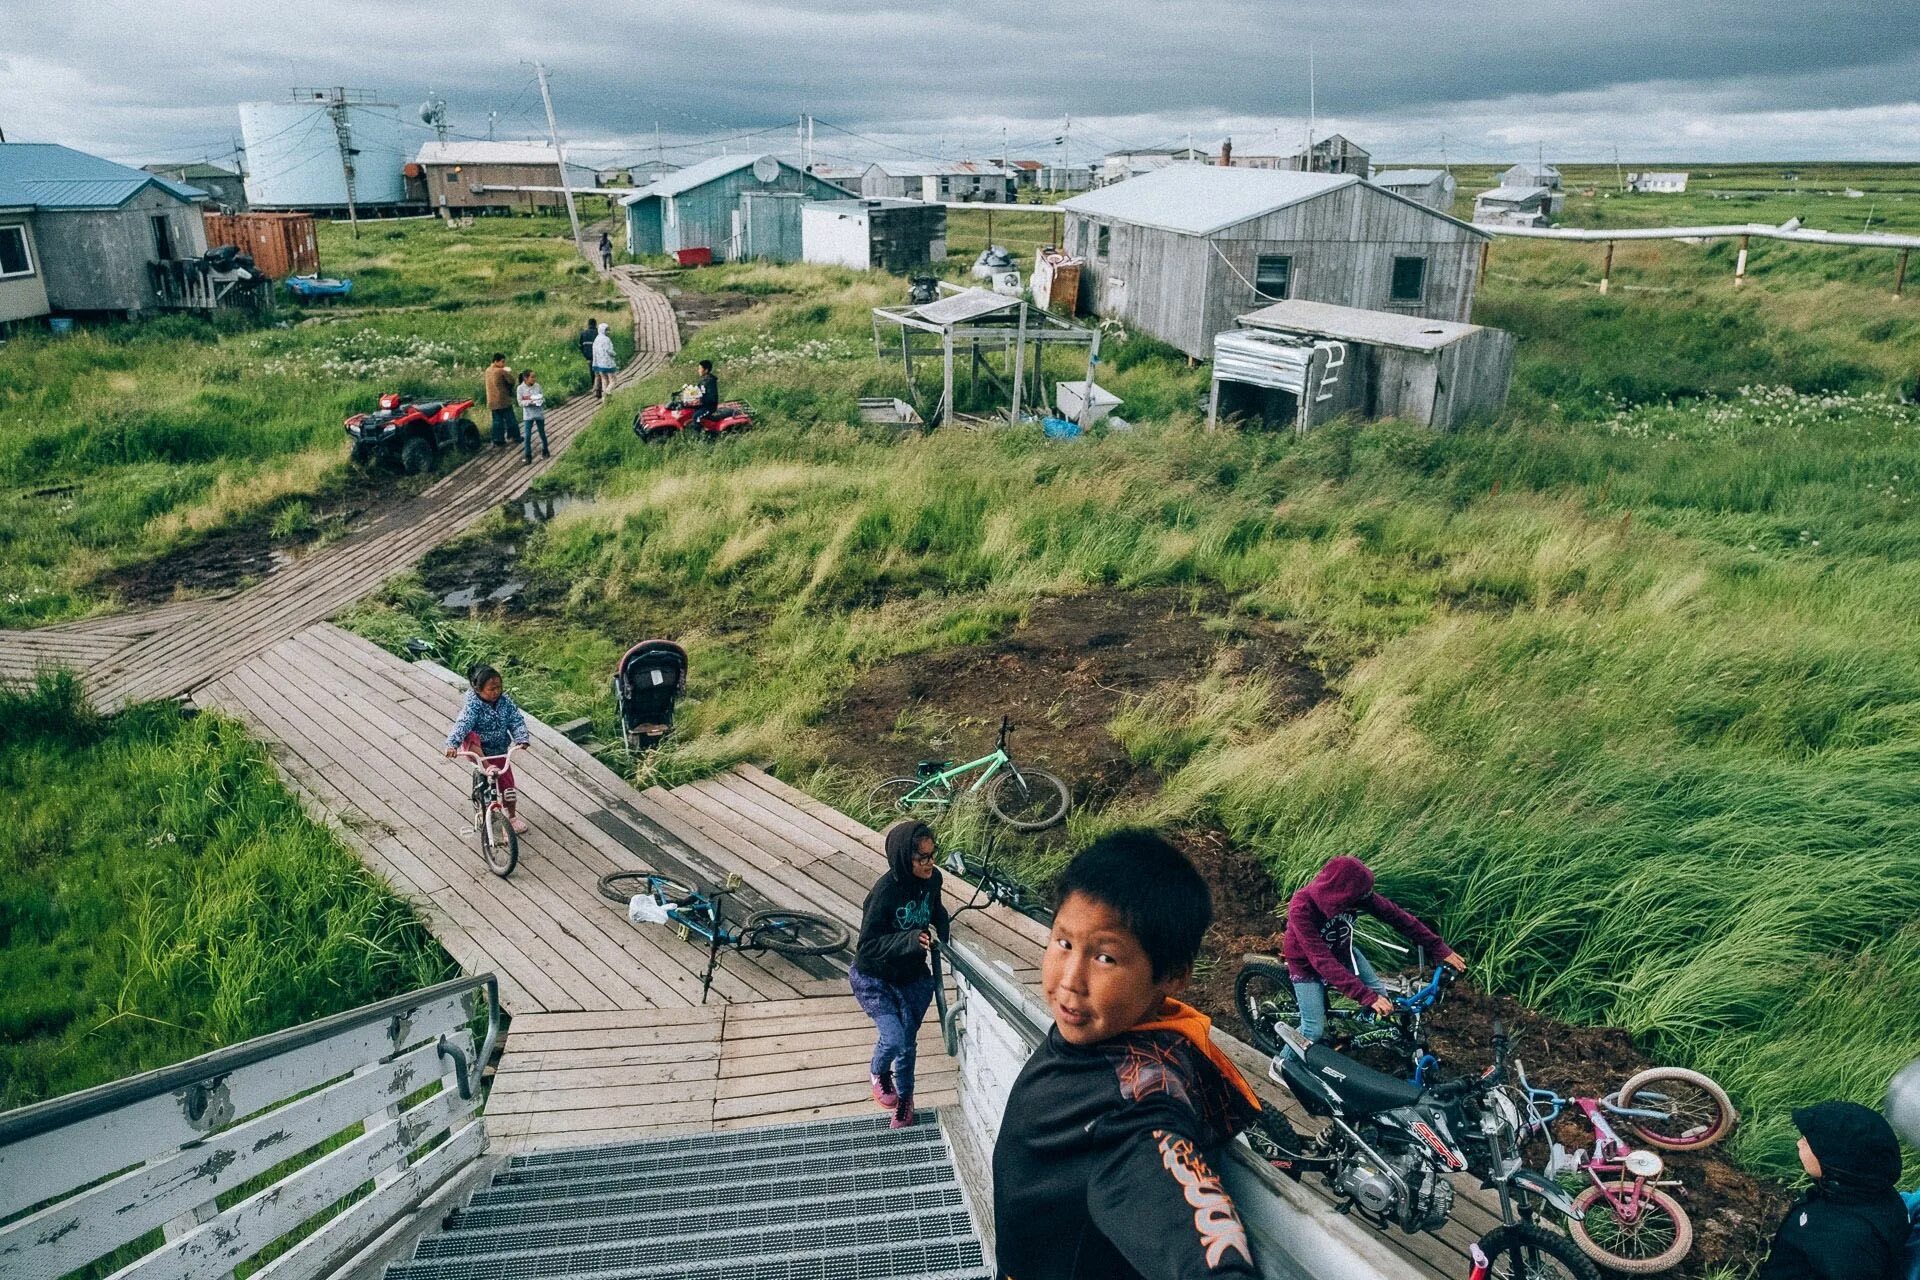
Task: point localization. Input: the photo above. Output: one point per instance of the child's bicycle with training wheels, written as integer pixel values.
(657, 899)
(1628, 1222)
(1263, 996)
(1023, 797)
(499, 843)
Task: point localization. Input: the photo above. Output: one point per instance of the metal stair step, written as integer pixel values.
(743, 1168)
(875, 1199)
(677, 1255)
(771, 1147)
(931, 1172)
(714, 1141)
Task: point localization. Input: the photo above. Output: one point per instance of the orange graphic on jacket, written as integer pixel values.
(1214, 1216)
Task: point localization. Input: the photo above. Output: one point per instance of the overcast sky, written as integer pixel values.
(1412, 80)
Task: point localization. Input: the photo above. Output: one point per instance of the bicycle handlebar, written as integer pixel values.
(1427, 996)
(480, 761)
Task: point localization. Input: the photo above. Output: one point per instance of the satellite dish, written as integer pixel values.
(766, 169)
(427, 112)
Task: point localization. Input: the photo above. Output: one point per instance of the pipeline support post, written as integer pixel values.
(1606, 270)
(1740, 265)
(1900, 275)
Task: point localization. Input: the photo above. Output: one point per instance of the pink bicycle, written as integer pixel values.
(499, 843)
(1627, 1221)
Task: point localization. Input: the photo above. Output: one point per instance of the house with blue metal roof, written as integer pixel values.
(83, 234)
(737, 207)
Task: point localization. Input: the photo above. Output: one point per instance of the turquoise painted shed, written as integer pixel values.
(720, 204)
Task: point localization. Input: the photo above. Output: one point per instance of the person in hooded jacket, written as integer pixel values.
(1319, 946)
(1852, 1223)
(890, 975)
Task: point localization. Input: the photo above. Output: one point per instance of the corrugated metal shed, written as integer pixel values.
(1199, 200)
(50, 176)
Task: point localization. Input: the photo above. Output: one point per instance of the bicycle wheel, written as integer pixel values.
(1698, 1111)
(499, 845)
(1263, 993)
(1029, 800)
(1528, 1251)
(623, 886)
(795, 933)
(890, 797)
(1655, 1240)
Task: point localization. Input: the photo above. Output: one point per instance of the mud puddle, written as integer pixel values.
(1061, 675)
(1734, 1213)
(484, 571)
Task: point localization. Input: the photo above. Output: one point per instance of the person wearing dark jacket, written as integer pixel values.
(585, 341)
(1852, 1223)
(1319, 941)
(1103, 1167)
(890, 975)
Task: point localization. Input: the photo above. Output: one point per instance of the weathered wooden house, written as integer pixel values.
(1180, 253)
(1537, 174)
(470, 177)
(1515, 207)
(885, 235)
(1434, 188)
(225, 188)
(736, 207)
(95, 235)
(1066, 177)
(1335, 153)
(1671, 183)
(945, 180)
(1118, 166)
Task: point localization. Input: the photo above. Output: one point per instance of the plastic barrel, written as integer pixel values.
(60, 325)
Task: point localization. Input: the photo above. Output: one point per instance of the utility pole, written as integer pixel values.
(659, 152)
(1306, 159)
(343, 134)
(553, 132)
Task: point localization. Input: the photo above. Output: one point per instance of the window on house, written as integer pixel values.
(1105, 241)
(162, 237)
(1273, 276)
(15, 259)
(1409, 280)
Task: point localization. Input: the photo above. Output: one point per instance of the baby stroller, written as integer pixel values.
(646, 685)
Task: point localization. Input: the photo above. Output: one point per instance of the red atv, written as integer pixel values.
(411, 434)
(660, 422)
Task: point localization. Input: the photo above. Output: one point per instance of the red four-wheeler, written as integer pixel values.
(411, 434)
(660, 422)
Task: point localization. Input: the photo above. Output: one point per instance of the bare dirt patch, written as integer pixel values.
(1062, 675)
(695, 310)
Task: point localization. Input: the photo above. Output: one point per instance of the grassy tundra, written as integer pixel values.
(1627, 686)
(124, 442)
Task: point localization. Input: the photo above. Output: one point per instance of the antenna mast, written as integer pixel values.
(1312, 112)
(343, 133)
(553, 132)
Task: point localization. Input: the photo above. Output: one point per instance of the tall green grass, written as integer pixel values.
(161, 895)
(1627, 680)
(122, 441)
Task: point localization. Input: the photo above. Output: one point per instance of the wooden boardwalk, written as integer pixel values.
(176, 648)
(609, 1037)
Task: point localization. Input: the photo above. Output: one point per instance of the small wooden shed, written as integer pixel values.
(1300, 364)
(702, 207)
(1180, 252)
(1434, 188)
(890, 235)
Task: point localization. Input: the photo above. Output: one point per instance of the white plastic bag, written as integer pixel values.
(644, 910)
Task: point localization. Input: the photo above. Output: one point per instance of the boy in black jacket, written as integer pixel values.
(889, 973)
(1101, 1169)
(1852, 1224)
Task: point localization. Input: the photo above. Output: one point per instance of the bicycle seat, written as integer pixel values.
(926, 767)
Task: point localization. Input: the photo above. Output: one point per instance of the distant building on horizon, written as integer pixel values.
(1118, 166)
(224, 187)
(1335, 153)
(1434, 188)
(942, 180)
(1671, 183)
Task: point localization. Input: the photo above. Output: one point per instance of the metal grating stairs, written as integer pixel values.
(830, 1200)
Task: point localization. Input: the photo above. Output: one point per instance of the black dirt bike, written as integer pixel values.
(1390, 1149)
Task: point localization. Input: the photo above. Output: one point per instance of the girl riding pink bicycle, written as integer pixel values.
(491, 726)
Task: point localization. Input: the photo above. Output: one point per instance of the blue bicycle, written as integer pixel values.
(656, 899)
(1263, 994)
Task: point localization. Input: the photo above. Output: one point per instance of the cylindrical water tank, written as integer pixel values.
(293, 154)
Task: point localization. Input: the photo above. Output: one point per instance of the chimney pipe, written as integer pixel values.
(1226, 154)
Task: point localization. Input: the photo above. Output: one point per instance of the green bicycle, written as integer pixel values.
(1025, 798)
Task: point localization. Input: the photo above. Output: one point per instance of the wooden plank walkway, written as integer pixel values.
(173, 650)
(609, 1037)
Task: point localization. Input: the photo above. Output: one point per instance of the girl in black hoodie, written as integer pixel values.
(890, 975)
(1851, 1224)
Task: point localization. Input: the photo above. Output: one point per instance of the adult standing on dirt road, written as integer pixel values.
(605, 362)
(606, 251)
(500, 400)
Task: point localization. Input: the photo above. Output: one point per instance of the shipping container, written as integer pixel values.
(281, 244)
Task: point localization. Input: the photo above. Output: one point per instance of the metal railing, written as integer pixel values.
(350, 1120)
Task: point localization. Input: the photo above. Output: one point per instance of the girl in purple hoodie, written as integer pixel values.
(1319, 941)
